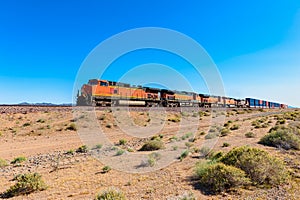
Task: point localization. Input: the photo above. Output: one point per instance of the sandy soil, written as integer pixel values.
(43, 136)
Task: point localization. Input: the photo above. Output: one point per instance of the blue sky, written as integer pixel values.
(255, 44)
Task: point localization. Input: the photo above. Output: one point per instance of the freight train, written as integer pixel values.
(110, 93)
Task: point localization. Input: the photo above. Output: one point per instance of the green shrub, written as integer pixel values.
(98, 146)
(82, 149)
(111, 194)
(106, 169)
(280, 121)
(3, 163)
(205, 150)
(152, 145)
(157, 137)
(224, 132)
(26, 184)
(214, 156)
(18, 160)
(120, 152)
(122, 142)
(186, 136)
(173, 139)
(259, 165)
(174, 119)
(234, 127)
(188, 144)
(209, 136)
(152, 158)
(70, 152)
(218, 177)
(26, 124)
(225, 144)
(72, 127)
(250, 135)
(227, 124)
(41, 121)
(281, 137)
(184, 154)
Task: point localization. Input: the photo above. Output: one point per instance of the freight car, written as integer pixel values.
(257, 103)
(109, 93)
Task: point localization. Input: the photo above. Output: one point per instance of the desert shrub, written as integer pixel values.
(174, 119)
(26, 124)
(174, 148)
(18, 160)
(211, 136)
(98, 146)
(102, 117)
(224, 132)
(227, 124)
(234, 127)
(205, 150)
(70, 152)
(218, 177)
(183, 155)
(186, 136)
(82, 149)
(3, 163)
(152, 145)
(157, 137)
(225, 144)
(214, 156)
(250, 135)
(259, 165)
(173, 138)
(153, 158)
(122, 142)
(72, 127)
(188, 144)
(111, 194)
(120, 152)
(280, 121)
(26, 184)
(40, 121)
(106, 169)
(260, 123)
(281, 137)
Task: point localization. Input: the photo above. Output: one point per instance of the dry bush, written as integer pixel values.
(111, 194)
(282, 137)
(26, 184)
(152, 145)
(259, 165)
(218, 177)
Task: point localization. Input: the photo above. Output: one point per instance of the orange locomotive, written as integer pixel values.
(104, 93)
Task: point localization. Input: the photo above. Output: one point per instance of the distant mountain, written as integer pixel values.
(44, 104)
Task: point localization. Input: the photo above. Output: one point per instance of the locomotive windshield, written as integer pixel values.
(102, 83)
